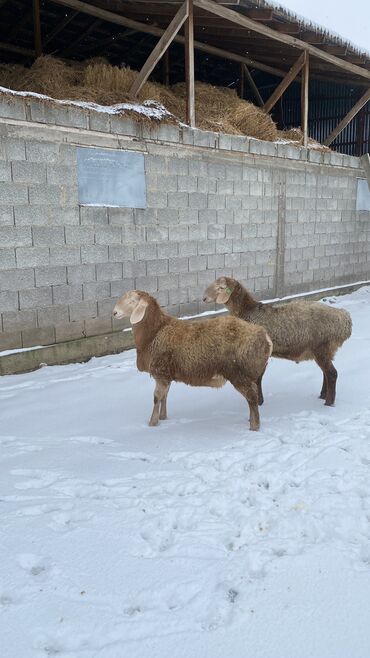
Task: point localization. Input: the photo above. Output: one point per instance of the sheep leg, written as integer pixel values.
(259, 386)
(250, 392)
(163, 407)
(160, 392)
(322, 395)
(330, 375)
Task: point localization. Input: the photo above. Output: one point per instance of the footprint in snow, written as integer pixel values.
(34, 565)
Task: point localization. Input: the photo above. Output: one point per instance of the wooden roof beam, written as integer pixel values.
(239, 19)
(349, 116)
(58, 28)
(162, 45)
(27, 52)
(37, 27)
(284, 84)
(253, 85)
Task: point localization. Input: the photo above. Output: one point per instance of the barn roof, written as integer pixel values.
(261, 33)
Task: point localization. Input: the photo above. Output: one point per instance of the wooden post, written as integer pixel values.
(166, 67)
(304, 98)
(189, 65)
(284, 84)
(37, 27)
(253, 85)
(242, 81)
(162, 45)
(349, 116)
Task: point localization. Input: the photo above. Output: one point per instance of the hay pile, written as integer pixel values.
(295, 135)
(217, 108)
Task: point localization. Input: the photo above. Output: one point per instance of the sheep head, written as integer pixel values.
(133, 305)
(220, 290)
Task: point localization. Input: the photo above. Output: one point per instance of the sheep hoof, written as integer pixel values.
(254, 428)
(153, 423)
(163, 417)
(329, 404)
(260, 402)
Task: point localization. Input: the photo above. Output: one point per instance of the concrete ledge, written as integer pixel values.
(83, 349)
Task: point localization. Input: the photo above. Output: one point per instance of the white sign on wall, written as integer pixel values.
(107, 177)
(363, 195)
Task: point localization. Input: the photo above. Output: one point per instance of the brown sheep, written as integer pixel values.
(205, 353)
(300, 331)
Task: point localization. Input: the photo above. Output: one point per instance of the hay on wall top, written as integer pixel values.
(217, 108)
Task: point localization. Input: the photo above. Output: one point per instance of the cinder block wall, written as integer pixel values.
(281, 219)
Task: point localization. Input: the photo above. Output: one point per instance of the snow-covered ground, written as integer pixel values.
(195, 538)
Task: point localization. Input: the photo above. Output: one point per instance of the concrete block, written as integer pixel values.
(75, 117)
(155, 267)
(178, 265)
(198, 168)
(189, 279)
(233, 172)
(132, 269)
(46, 236)
(39, 336)
(157, 199)
(178, 233)
(96, 290)
(147, 283)
(205, 138)
(224, 246)
(134, 233)
(35, 297)
(206, 247)
(167, 216)
(145, 251)
(48, 276)
(32, 257)
(5, 171)
(109, 271)
(16, 279)
(14, 148)
(197, 263)
(49, 195)
(186, 183)
(118, 288)
(108, 235)
(19, 320)
(232, 231)
(95, 253)
(180, 296)
(168, 132)
(69, 331)
(167, 249)
(207, 185)
(92, 215)
(188, 216)
(157, 164)
(225, 216)
(6, 216)
(197, 231)
(60, 174)
(12, 107)
(121, 125)
(80, 235)
(232, 260)
(10, 340)
(13, 194)
(179, 200)
(233, 202)
(39, 151)
(66, 294)
(28, 172)
(188, 248)
(157, 233)
(225, 186)
(215, 231)
(14, 236)
(51, 316)
(168, 282)
(179, 166)
(64, 256)
(216, 201)
(98, 326)
(83, 310)
(80, 274)
(215, 261)
(147, 216)
(198, 200)
(9, 301)
(208, 216)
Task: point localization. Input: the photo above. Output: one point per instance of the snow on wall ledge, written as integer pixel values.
(31, 107)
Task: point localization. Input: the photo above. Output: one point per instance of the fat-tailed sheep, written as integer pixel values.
(299, 331)
(204, 353)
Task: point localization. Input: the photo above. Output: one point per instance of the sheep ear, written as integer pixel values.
(223, 296)
(139, 312)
